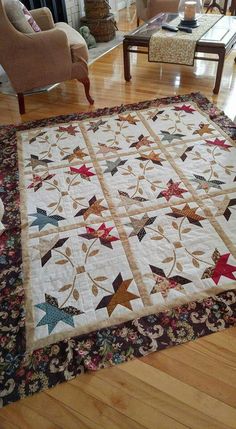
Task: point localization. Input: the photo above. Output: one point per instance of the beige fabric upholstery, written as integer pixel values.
(147, 9)
(17, 17)
(44, 18)
(39, 59)
(76, 41)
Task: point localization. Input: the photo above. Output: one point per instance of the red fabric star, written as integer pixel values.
(185, 108)
(70, 130)
(218, 142)
(84, 171)
(223, 269)
(102, 233)
(172, 190)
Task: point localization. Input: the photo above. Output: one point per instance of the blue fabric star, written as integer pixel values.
(53, 316)
(43, 219)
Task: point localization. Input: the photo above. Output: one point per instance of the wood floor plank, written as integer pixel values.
(151, 395)
(5, 424)
(200, 358)
(202, 402)
(92, 408)
(57, 412)
(223, 343)
(198, 378)
(126, 404)
(23, 417)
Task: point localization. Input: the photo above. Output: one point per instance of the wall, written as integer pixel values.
(75, 9)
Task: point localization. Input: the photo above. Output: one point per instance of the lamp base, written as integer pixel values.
(190, 24)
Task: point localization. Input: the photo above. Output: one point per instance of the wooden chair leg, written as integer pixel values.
(21, 103)
(86, 83)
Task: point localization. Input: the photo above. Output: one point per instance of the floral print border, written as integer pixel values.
(23, 373)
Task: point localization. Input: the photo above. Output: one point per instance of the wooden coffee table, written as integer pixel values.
(219, 40)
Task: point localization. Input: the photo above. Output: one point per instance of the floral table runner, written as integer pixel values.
(178, 48)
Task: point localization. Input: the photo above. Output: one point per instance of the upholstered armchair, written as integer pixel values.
(146, 9)
(32, 60)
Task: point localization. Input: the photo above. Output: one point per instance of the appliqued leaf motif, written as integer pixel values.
(68, 251)
(93, 253)
(160, 229)
(157, 237)
(52, 205)
(198, 252)
(168, 259)
(186, 230)
(84, 247)
(65, 287)
(94, 290)
(75, 294)
(175, 225)
(100, 279)
(61, 262)
(195, 263)
(179, 266)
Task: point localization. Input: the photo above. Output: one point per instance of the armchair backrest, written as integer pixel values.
(10, 37)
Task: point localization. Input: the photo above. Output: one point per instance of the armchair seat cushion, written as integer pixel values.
(76, 42)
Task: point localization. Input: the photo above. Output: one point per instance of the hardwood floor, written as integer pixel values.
(189, 386)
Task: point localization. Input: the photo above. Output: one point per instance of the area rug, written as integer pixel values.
(119, 237)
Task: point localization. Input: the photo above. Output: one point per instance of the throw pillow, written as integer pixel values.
(16, 15)
(30, 19)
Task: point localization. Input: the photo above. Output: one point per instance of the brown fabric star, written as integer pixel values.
(152, 156)
(120, 297)
(128, 118)
(77, 154)
(142, 141)
(187, 212)
(95, 207)
(204, 129)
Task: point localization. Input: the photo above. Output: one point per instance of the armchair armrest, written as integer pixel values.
(43, 17)
(42, 58)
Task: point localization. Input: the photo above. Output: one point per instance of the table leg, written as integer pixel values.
(21, 103)
(126, 57)
(219, 71)
(225, 7)
(212, 5)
